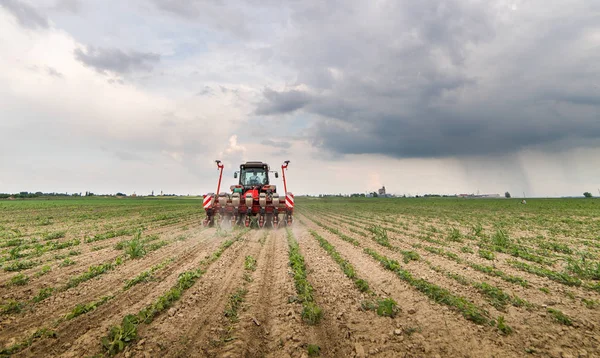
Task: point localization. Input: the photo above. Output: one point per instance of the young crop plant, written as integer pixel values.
(19, 280)
(234, 303)
(500, 239)
(311, 313)
(135, 248)
(380, 235)
(84, 308)
(55, 235)
(67, 262)
(43, 294)
(488, 255)
(146, 276)
(126, 332)
(387, 307)
(560, 277)
(93, 271)
(583, 268)
(408, 256)
(560, 317)
(346, 266)
(17, 347)
(20, 266)
(250, 263)
(44, 270)
(467, 250)
(591, 303)
(438, 294)
(313, 350)
(502, 326)
(477, 230)
(455, 235)
(120, 335)
(11, 306)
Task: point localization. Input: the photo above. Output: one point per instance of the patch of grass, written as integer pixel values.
(233, 304)
(409, 331)
(19, 280)
(250, 263)
(313, 350)
(560, 317)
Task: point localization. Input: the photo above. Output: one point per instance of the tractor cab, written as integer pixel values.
(253, 174)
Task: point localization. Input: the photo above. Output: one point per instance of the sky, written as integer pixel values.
(449, 97)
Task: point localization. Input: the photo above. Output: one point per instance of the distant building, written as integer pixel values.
(381, 192)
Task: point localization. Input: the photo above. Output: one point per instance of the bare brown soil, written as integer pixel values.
(269, 319)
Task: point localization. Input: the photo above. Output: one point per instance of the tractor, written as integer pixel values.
(254, 201)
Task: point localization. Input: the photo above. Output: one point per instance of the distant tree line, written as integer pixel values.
(25, 194)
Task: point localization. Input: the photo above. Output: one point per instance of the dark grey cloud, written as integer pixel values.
(115, 60)
(72, 6)
(282, 102)
(221, 16)
(272, 143)
(25, 14)
(436, 79)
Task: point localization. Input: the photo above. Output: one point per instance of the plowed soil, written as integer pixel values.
(268, 321)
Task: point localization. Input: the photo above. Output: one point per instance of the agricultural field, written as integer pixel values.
(140, 277)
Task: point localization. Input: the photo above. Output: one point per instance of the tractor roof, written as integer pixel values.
(255, 165)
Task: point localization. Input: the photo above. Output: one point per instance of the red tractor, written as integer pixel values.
(254, 200)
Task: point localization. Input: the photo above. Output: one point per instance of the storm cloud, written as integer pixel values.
(436, 79)
(26, 15)
(450, 96)
(115, 60)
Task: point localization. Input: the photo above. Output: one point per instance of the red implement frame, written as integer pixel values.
(283, 168)
(220, 166)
